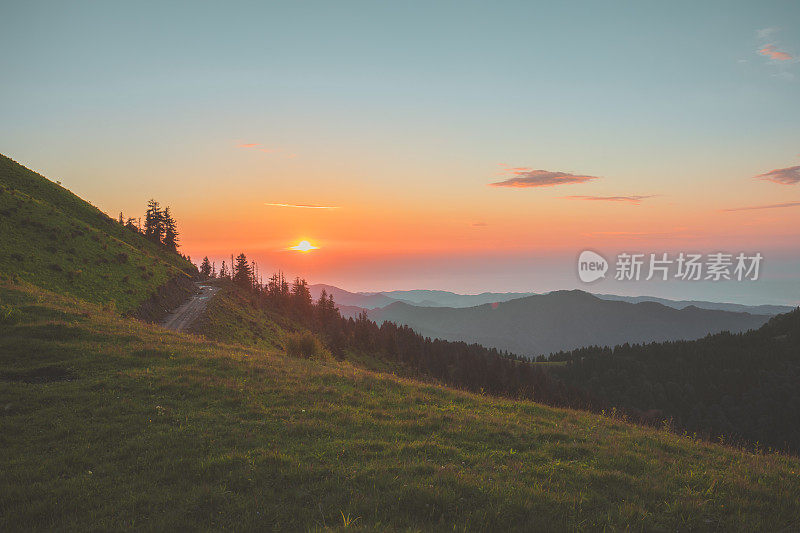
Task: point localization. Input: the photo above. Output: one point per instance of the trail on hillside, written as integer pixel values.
(186, 314)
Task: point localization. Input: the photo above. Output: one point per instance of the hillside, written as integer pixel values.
(564, 320)
(110, 423)
(52, 238)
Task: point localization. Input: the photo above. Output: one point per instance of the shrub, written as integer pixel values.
(305, 344)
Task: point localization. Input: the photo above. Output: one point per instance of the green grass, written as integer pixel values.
(52, 238)
(110, 423)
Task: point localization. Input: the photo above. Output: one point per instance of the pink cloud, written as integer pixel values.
(784, 176)
(249, 145)
(773, 53)
(635, 199)
(525, 177)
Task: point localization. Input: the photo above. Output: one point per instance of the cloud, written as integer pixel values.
(770, 206)
(773, 53)
(785, 176)
(479, 224)
(525, 177)
(248, 145)
(635, 199)
(301, 206)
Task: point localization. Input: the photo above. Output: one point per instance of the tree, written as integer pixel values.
(302, 297)
(205, 268)
(242, 274)
(121, 219)
(154, 221)
(223, 271)
(170, 230)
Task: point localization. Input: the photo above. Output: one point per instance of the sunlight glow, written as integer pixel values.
(304, 246)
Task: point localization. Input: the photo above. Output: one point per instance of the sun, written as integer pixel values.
(304, 246)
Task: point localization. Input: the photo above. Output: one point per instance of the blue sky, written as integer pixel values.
(404, 111)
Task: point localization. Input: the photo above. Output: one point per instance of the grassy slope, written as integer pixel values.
(157, 430)
(54, 239)
(231, 316)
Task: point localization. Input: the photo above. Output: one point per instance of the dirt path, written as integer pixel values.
(187, 313)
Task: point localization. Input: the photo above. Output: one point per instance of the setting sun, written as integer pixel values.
(304, 246)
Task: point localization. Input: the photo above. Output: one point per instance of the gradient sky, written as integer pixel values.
(655, 127)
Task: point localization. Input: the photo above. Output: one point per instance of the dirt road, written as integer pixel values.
(183, 316)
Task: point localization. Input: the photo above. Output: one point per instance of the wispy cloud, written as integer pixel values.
(479, 224)
(784, 176)
(769, 206)
(526, 177)
(635, 199)
(302, 206)
(248, 145)
(773, 53)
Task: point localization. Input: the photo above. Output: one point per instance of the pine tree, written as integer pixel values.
(121, 219)
(170, 230)
(223, 272)
(154, 222)
(205, 268)
(242, 274)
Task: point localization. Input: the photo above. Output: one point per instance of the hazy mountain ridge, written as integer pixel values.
(565, 320)
(436, 298)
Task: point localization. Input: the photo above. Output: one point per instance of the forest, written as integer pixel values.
(739, 388)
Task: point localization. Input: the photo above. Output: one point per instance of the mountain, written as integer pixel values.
(347, 298)
(718, 306)
(57, 241)
(423, 298)
(564, 320)
(431, 298)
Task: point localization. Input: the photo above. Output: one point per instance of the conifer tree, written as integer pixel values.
(242, 274)
(154, 221)
(205, 268)
(170, 230)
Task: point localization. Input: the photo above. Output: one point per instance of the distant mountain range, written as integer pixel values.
(423, 298)
(545, 323)
(431, 298)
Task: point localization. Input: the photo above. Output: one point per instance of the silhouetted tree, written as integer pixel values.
(205, 268)
(154, 222)
(170, 230)
(242, 274)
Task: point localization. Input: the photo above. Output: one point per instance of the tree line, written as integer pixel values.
(159, 225)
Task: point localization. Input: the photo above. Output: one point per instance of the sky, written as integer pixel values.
(465, 146)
